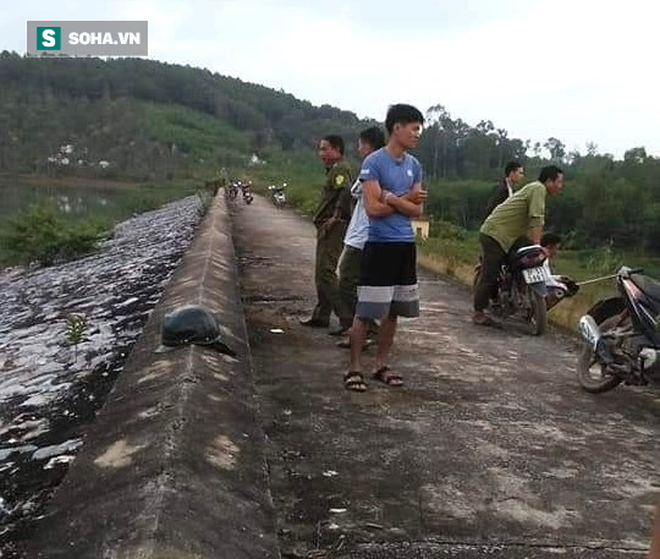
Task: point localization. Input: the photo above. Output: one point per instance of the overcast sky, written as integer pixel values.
(580, 70)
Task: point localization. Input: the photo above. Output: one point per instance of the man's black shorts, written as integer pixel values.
(388, 283)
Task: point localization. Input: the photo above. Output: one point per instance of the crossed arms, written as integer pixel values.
(381, 203)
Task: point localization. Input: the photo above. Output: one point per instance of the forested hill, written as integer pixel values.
(145, 115)
(151, 120)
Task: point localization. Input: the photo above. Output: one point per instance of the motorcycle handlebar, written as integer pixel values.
(627, 272)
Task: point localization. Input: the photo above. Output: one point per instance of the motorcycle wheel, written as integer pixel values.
(537, 318)
(588, 360)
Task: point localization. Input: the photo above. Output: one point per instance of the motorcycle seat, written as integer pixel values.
(526, 257)
(648, 285)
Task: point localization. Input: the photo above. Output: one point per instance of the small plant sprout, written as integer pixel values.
(76, 325)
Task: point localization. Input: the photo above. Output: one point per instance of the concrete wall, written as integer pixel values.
(174, 465)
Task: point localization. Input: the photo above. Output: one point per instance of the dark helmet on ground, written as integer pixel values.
(191, 324)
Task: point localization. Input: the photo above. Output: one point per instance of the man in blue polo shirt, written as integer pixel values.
(392, 193)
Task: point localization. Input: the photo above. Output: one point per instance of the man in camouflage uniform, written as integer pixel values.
(331, 220)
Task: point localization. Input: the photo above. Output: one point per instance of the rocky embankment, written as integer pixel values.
(49, 388)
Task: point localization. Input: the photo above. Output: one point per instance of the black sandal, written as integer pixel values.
(386, 376)
(487, 322)
(353, 380)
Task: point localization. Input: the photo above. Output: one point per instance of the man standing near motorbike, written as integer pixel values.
(521, 214)
(513, 173)
(331, 220)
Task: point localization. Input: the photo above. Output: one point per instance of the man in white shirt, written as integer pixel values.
(370, 140)
(566, 286)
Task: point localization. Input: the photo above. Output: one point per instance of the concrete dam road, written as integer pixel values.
(490, 450)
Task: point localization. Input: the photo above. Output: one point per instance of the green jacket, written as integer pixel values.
(514, 217)
(336, 193)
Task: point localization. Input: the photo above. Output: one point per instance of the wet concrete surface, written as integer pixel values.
(490, 450)
(51, 391)
(174, 465)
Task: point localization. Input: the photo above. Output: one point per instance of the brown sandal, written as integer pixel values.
(386, 376)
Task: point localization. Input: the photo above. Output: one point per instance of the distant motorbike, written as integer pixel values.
(522, 286)
(622, 339)
(248, 197)
(232, 190)
(279, 197)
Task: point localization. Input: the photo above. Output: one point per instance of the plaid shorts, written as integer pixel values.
(388, 283)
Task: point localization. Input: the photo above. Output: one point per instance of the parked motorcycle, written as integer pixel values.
(522, 288)
(231, 191)
(622, 339)
(279, 197)
(246, 191)
(248, 197)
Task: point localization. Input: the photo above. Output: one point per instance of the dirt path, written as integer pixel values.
(491, 450)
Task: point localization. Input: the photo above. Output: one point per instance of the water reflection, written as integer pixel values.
(78, 205)
(17, 195)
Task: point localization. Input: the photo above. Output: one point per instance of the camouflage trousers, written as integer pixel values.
(329, 244)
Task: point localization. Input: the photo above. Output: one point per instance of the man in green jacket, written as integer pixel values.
(522, 214)
(331, 220)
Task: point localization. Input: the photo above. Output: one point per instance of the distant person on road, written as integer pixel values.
(357, 233)
(513, 173)
(331, 220)
(393, 195)
(523, 214)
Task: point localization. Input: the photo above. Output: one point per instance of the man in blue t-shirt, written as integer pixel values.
(393, 195)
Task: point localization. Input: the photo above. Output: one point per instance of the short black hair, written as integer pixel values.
(335, 141)
(511, 167)
(402, 114)
(549, 239)
(551, 172)
(373, 136)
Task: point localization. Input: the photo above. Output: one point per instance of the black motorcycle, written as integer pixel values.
(622, 340)
(248, 197)
(521, 288)
(231, 192)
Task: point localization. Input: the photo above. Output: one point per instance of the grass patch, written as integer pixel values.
(304, 178)
(42, 234)
(203, 140)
